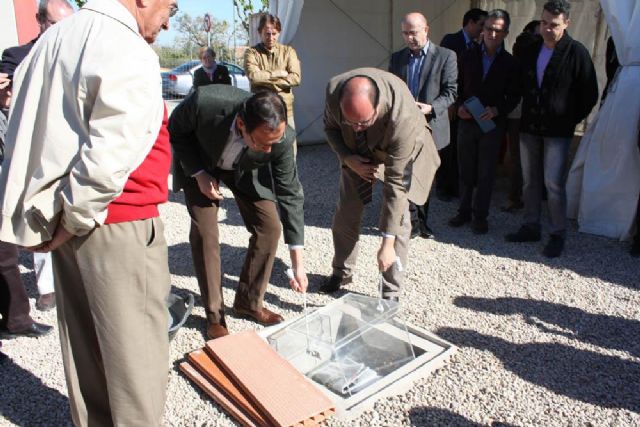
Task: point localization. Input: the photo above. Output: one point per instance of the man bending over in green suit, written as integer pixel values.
(223, 134)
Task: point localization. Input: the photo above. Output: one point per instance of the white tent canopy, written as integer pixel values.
(333, 36)
(604, 180)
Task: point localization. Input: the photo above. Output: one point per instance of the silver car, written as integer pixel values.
(179, 81)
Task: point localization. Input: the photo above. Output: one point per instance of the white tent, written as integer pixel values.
(604, 181)
(332, 36)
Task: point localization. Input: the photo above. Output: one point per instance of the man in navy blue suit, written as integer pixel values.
(466, 38)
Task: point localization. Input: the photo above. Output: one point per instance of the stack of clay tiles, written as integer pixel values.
(254, 384)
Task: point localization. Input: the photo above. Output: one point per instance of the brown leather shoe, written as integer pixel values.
(265, 316)
(216, 331)
(46, 302)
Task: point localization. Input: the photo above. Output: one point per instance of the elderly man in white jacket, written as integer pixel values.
(86, 165)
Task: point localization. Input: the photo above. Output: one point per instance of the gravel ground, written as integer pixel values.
(541, 342)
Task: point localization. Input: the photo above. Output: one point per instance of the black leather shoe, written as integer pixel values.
(479, 226)
(426, 232)
(512, 206)
(36, 330)
(524, 234)
(554, 246)
(459, 220)
(333, 284)
(635, 247)
(444, 196)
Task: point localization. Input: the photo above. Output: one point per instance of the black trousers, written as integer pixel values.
(14, 302)
(477, 162)
(446, 181)
(419, 215)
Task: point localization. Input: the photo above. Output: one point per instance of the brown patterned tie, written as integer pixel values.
(365, 188)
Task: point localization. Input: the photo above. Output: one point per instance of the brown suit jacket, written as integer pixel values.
(400, 140)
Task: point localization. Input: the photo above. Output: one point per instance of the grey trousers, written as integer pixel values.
(346, 233)
(552, 153)
(111, 291)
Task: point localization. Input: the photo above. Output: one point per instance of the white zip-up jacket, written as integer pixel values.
(86, 110)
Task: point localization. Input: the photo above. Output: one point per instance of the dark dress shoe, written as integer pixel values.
(216, 331)
(512, 206)
(444, 196)
(333, 284)
(635, 247)
(426, 232)
(554, 246)
(524, 234)
(46, 302)
(479, 226)
(459, 220)
(36, 330)
(264, 316)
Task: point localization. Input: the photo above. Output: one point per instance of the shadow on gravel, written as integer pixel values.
(598, 329)
(431, 416)
(602, 380)
(232, 259)
(19, 388)
(586, 255)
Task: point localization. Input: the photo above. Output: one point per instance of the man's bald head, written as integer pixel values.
(152, 16)
(52, 11)
(358, 101)
(415, 18)
(415, 31)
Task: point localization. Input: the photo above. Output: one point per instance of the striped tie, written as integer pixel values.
(365, 188)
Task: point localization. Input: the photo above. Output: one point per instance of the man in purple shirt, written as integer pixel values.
(559, 90)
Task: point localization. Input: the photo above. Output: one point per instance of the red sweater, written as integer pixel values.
(147, 186)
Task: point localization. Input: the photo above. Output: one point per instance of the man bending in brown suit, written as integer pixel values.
(373, 125)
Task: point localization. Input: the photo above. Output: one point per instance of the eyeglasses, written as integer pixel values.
(361, 124)
(259, 146)
(173, 11)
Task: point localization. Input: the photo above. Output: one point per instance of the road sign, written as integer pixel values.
(207, 22)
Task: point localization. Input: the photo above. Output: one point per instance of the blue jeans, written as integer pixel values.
(544, 161)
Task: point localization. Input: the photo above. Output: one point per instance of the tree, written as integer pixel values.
(80, 3)
(192, 36)
(245, 8)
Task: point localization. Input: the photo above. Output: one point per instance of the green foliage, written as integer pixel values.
(245, 8)
(80, 3)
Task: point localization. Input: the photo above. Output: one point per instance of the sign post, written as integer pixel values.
(207, 28)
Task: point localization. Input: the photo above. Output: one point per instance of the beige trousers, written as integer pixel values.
(346, 233)
(111, 291)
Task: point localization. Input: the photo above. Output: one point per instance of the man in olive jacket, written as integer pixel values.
(220, 133)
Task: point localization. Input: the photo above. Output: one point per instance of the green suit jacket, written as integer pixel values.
(199, 128)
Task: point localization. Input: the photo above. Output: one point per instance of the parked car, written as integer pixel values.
(179, 81)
